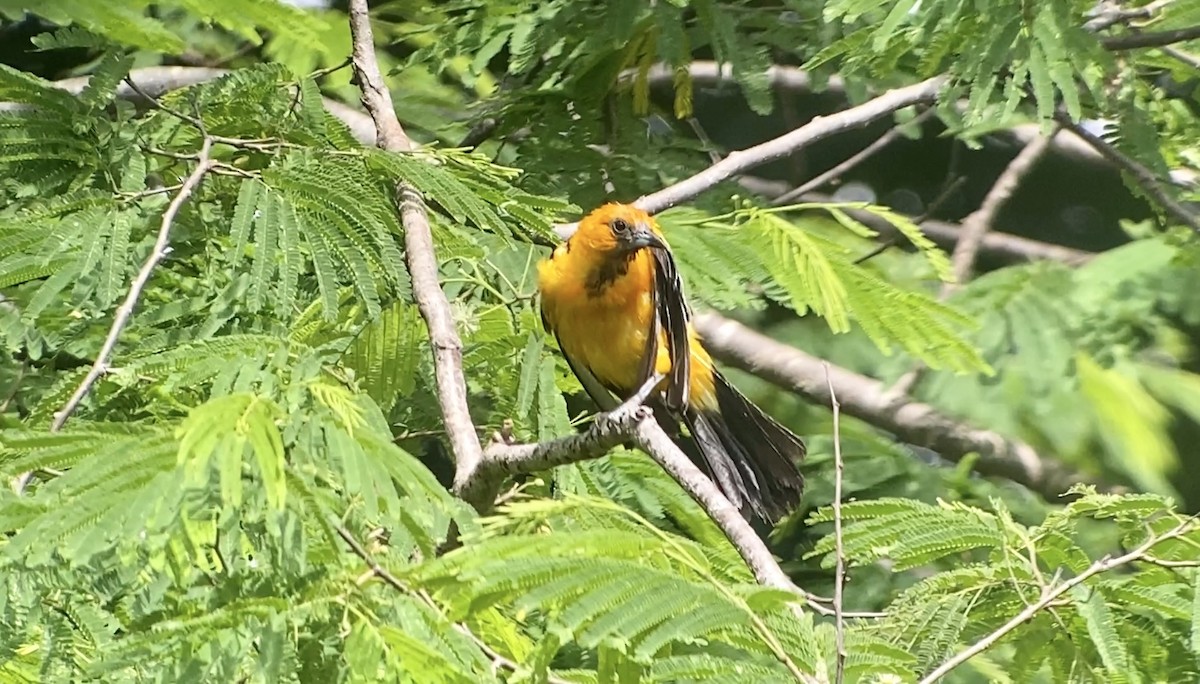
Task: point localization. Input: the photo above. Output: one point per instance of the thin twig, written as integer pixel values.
(795, 79)
(125, 311)
(980, 222)
(819, 128)
(419, 254)
(975, 228)
(1049, 597)
(951, 186)
(377, 570)
(839, 579)
(853, 161)
(1145, 178)
(1001, 246)
(1165, 563)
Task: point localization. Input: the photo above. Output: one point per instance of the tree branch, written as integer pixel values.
(1003, 246)
(1145, 178)
(853, 161)
(977, 225)
(1132, 41)
(839, 576)
(629, 423)
(382, 573)
(819, 128)
(125, 311)
(1049, 595)
(419, 254)
(868, 400)
(795, 79)
(974, 228)
(740, 161)
(1109, 14)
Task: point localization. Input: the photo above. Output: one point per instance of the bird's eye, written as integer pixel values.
(620, 226)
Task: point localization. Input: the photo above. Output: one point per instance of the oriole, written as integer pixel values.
(613, 298)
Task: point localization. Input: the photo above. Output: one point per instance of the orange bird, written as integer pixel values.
(613, 298)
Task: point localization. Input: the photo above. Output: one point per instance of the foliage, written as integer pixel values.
(273, 393)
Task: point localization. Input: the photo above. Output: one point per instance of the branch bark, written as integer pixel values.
(851, 162)
(419, 254)
(867, 399)
(740, 161)
(125, 311)
(978, 224)
(1003, 246)
(819, 128)
(1145, 178)
(1133, 41)
(795, 79)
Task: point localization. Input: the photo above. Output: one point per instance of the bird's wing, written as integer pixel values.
(649, 362)
(673, 314)
(591, 384)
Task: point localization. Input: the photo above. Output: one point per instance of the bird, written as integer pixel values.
(613, 298)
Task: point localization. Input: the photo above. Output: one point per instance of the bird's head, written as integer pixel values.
(618, 229)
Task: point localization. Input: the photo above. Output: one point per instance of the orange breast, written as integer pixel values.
(606, 332)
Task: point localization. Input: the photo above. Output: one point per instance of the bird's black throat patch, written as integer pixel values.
(608, 271)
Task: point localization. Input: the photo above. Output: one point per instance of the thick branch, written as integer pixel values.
(1133, 41)
(868, 400)
(419, 254)
(1145, 178)
(125, 311)
(609, 430)
(155, 81)
(1110, 15)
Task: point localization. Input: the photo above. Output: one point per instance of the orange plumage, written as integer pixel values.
(604, 293)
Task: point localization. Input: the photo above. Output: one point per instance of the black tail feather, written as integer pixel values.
(751, 457)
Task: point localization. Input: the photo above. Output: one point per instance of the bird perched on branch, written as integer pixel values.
(614, 300)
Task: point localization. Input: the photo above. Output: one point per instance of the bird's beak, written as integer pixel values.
(643, 236)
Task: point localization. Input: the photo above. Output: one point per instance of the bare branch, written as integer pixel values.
(839, 578)
(1133, 41)
(636, 424)
(1052, 594)
(740, 161)
(1009, 248)
(1110, 14)
(125, 311)
(478, 487)
(819, 128)
(844, 167)
(977, 225)
(795, 79)
(1145, 178)
(419, 255)
(868, 400)
(1179, 55)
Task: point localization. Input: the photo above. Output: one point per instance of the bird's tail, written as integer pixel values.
(751, 457)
